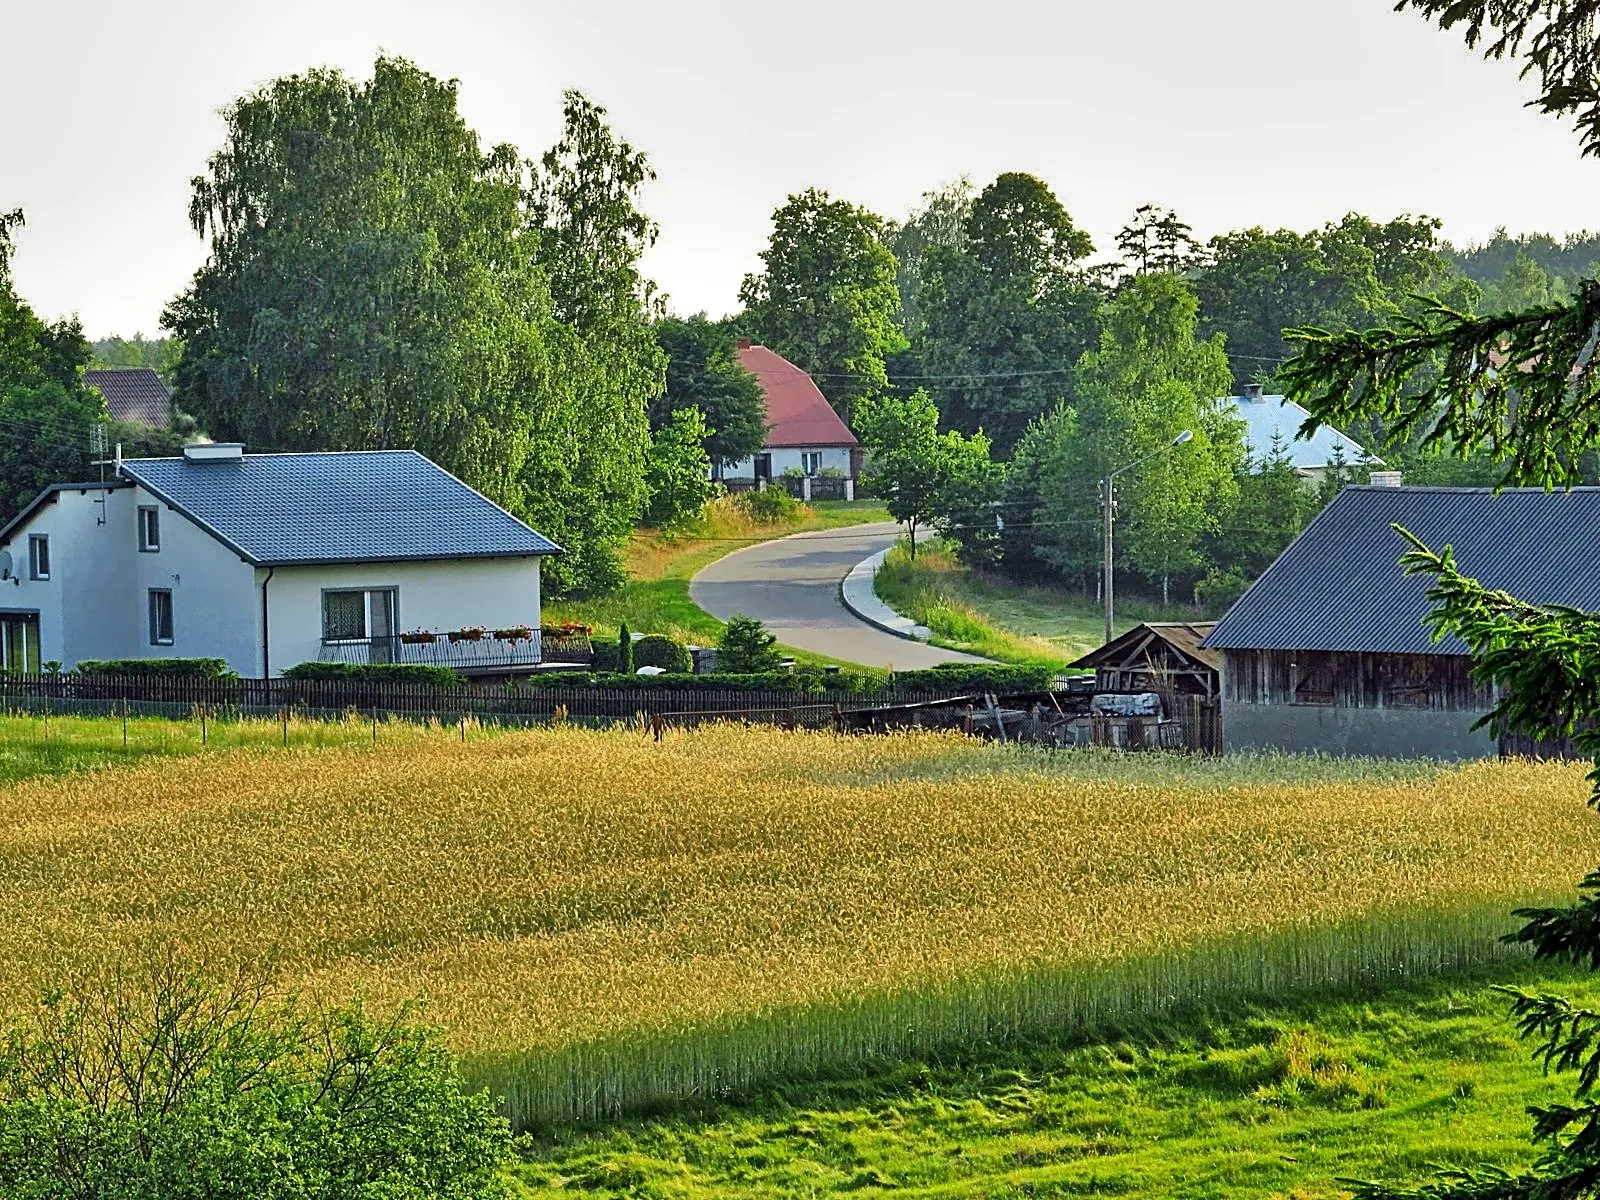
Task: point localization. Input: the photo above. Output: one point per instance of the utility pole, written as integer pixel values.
(1108, 508)
(1108, 505)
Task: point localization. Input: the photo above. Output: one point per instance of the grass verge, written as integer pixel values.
(1276, 1099)
(999, 618)
(660, 565)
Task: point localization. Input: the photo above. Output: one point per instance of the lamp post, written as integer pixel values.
(1108, 505)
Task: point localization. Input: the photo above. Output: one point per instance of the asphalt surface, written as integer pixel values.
(792, 586)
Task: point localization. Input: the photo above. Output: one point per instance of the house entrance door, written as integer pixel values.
(763, 470)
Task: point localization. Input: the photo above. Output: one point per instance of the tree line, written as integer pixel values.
(376, 276)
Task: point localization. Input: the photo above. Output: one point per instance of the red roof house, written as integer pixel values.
(804, 433)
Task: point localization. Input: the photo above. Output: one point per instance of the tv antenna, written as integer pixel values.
(97, 450)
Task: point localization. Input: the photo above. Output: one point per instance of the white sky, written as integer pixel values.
(1234, 112)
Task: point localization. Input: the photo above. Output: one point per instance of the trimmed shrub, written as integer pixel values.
(442, 677)
(746, 648)
(658, 651)
(184, 668)
(625, 662)
(771, 506)
(977, 677)
(773, 681)
(605, 656)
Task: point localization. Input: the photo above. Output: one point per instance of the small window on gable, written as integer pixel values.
(160, 617)
(38, 556)
(149, 528)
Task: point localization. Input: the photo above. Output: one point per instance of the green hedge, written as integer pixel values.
(605, 655)
(978, 677)
(774, 681)
(166, 668)
(376, 673)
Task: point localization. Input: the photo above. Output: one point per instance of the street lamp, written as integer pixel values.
(1108, 504)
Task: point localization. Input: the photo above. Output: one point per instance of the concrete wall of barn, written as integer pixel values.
(1374, 732)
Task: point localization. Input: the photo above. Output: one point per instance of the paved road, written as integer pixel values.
(792, 585)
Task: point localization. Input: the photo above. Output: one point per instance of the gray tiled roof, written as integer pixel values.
(373, 506)
(133, 394)
(1338, 588)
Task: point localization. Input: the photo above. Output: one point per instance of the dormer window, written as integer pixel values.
(149, 528)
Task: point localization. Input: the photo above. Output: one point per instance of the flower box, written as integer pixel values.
(472, 633)
(516, 633)
(419, 637)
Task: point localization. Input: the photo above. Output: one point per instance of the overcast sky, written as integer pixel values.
(1234, 112)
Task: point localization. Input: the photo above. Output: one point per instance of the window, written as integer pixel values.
(19, 643)
(160, 617)
(358, 614)
(811, 461)
(38, 556)
(149, 528)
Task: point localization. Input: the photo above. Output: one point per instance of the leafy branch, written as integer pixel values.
(1520, 386)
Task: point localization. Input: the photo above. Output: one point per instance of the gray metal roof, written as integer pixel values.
(133, 394)
(340, 507)
(1338, 586)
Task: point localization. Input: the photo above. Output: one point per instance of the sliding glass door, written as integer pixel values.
(19, 643)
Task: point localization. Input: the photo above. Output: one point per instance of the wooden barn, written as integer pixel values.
(1328, 650)
(1156, 657)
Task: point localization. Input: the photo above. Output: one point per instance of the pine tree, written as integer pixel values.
(624, 650)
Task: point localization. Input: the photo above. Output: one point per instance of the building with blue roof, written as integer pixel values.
(269, 560)
(1277, 420)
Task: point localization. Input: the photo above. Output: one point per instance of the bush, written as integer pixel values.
(771, 506)
(977, 677)
(771, 681)
(171, 1086)
(746, 648)
(605, 656)
(625, 664)
(442, 677)
(657, 651)
(184, 668)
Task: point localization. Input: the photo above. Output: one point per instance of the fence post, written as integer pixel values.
(374, 724)
(124, 720)
(284, 713)
(202, 724)
(838, 717)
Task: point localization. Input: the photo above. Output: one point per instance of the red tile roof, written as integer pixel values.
(797, 411)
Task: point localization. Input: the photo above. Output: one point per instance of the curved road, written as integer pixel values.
(792, 585)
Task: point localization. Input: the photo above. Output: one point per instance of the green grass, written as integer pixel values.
(656, 597)
(1279, 1100)
(999, 618)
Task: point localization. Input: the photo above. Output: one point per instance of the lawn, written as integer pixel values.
(1000, 618)
(1255, 1100)
(603, 922)
(656, 597)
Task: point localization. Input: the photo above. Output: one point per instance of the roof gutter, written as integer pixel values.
(266, 628)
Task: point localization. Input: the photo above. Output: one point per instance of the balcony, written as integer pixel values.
(462, 653)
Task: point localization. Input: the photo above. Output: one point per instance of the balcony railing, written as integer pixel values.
(487, 653)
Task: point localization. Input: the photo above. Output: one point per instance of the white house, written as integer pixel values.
(1277, 418)
(803, 432)
(269, 560)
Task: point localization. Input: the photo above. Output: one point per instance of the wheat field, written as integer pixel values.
(600, 921)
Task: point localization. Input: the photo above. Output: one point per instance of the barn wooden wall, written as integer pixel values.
(1430, 682)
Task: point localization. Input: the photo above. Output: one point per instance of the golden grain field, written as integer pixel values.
(599, 920)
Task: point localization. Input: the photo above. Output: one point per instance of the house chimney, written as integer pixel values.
(743, 343)
(1386, 479)
(201, 452)
(1253, 392)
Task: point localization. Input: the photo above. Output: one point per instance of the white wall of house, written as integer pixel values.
(790, 458)
(441, 596)
(96, 604)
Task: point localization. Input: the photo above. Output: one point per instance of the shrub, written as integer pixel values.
(746, 648)
(605, 656)
(771, 506)
(663, 652)
(175, 1087)
(625, 664)
(976, 677)
(769, 681)
(186, 668)
(376, 673)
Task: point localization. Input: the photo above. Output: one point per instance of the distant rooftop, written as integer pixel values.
(134, 394)
(798, 414)
(340, 507)
(1268, 416)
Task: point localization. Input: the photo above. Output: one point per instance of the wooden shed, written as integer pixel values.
(1157, 657)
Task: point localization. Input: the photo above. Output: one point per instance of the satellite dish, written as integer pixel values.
(5, 564)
